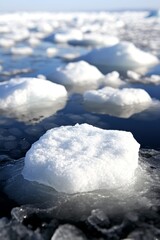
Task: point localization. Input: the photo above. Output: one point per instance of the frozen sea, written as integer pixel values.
(35, 45)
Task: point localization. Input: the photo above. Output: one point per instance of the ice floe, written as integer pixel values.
(120, 57)
(33, 41)
(150, 79)
(65, 36)
(6, 43)
(78, 76)
(113, 80)
(30, 99)
(117, 102)
(22, 51)
(51, 52)
(82, 158)
(94, 39)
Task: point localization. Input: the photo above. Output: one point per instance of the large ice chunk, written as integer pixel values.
(28, 98)
(78, 76)
(117, 102)
(82, 158)
(121, 57)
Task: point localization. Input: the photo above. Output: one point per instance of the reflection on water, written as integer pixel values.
(115, 110)
(36, 112)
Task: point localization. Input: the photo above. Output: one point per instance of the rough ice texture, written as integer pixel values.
(121, 97)
(82, 158)
(78, 75)
(31, 97)
(122, 56)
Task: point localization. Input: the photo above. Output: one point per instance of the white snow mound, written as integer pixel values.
(78, 75)
(28, 91)
(21, 51)
(120, 57)
(121, 97)
(82, 158)
(95, 39)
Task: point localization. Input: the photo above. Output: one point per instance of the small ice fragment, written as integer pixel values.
(133, 75)
(113, 80)
(68, 232)
(21, 51)
(51, 52)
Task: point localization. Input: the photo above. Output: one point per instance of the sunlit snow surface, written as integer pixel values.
(28, 98)
(121, 57)
(82, 158)
(78, 76)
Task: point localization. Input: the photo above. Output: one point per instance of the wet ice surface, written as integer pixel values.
(39, 212)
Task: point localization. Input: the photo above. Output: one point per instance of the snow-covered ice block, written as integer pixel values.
(112, 79)
(6, 42)
(117, 102)
(133, 75)
(65, 36)
(21, 51)
(78, 76)
(28, 98)
(33, 41)
(95, 39)
(51, 51)
(121, 57)
(82, 158)
(19, 34)
(121, 97)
